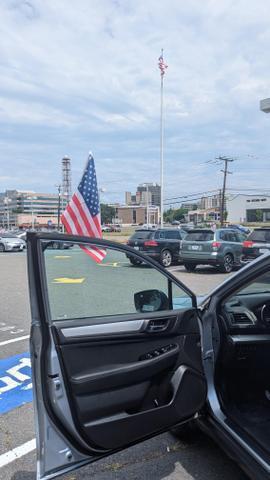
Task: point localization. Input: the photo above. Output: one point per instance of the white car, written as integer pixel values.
(11, 243)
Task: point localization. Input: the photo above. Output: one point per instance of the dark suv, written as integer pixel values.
(163, 244)
(222, 248)
(257, 243)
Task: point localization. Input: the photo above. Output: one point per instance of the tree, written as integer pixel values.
(107, 213)
(259, 215)
(177, 214)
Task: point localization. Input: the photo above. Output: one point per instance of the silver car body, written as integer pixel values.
(9, 243)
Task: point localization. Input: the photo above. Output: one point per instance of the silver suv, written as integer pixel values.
(222, 248)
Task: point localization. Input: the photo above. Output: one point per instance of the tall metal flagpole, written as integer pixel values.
(161, 149)
(162, 66)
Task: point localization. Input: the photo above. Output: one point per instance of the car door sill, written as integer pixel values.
(223, 420)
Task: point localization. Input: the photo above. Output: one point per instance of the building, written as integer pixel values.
(248, 208)
(203, 215)
(147, 193)
(136, 214)
(208, 210)
(210, 202)
(239, 208)
(25, 209)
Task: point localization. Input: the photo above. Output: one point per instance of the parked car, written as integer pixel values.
(122, 359)
(11, 243)
(21, 234)
(148, 226)
(162, 244)
(106, 228)
(257, 243)
(115, 227)
(240, 228)
(222, 248)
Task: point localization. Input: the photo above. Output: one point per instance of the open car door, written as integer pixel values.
(115, 350)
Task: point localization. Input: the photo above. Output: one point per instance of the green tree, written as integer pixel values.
(175, 214)
(107, 213)
(259, 215)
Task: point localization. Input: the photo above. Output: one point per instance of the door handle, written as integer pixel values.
(158, 325)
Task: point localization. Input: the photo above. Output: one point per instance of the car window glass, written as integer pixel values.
(260, 285)
(199, 236)
(260, 236)
(79, 287)
(141, 235)
(162, 234)
(241, 237)
(231, 237)
(173, 234)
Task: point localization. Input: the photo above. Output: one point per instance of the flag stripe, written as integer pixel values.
(75, 220)
(76, 212)
(82, 215)
(89, 220)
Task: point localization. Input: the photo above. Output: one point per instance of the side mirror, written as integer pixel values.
(151, 301)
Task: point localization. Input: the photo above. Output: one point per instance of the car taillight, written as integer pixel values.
(216, 244)
(247, 243)
(150, 243)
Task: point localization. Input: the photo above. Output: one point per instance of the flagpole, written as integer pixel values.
(161, 150)
(162, 71)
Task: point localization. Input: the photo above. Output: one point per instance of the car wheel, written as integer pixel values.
(55, 245)
(166, 258)
(228, 264)
(2, 247)
(190, 267)
(134, 261)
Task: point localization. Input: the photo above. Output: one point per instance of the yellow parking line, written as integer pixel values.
(68, 280)
(111, 264)
(62, 256)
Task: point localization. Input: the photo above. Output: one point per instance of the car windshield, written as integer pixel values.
(260, 236)
(260, 285)
(199, 236)
(141, 234)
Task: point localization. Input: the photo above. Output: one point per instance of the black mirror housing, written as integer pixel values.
(148, 301)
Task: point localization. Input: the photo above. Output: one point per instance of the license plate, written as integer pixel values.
(195, 247)
(263, 250)
(136, 248)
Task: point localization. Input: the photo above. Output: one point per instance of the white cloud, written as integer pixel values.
(84, 75)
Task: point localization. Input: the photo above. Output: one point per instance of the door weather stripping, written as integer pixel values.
(133, 326)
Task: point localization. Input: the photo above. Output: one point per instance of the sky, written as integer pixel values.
(83, 76)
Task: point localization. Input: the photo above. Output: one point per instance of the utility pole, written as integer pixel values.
(225, 171)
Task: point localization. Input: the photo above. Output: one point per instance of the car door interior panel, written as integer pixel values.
(120, 378)
(117, 349)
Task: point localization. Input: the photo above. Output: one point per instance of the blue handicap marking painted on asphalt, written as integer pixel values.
(15, 382)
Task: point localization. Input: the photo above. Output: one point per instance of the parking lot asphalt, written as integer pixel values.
(162, 457)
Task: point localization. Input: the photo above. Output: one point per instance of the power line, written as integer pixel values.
(191, 194)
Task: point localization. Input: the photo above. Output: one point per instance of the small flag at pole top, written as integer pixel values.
(82, 214)
(161, 64)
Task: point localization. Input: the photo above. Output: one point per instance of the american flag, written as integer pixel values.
(161, 64)
(82, 215)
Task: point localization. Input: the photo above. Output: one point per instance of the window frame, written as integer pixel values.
(40, 246)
